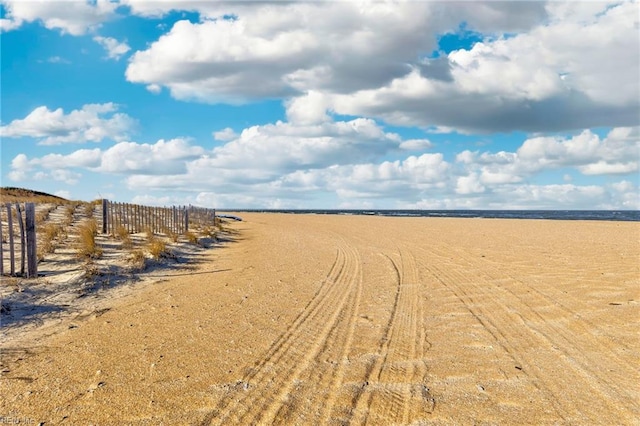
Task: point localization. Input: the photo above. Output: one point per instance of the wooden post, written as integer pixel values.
(104, 215)
(138, 218)
(173, 219)
(22, 239)
(1, 249)
(12, 253)
(32, 257)
(126, 216)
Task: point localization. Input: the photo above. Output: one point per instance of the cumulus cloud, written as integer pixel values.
(557, 85)
(225, 134)
(115, 49)
(344, 163)
(283, 147)
(92, 123)
(161, 158)
(70, 17)
(327, 57)
(617, 153)
(280, 49)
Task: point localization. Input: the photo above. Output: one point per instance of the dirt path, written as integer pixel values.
(358, 320)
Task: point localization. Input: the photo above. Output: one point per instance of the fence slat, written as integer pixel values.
(104, 216)
(32, 258)
(1, 249)
(12, 253)
(22, 238)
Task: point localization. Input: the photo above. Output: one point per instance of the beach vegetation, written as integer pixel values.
(87, 246)
(157, 248)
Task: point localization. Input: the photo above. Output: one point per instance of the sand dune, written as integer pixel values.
(308, 319)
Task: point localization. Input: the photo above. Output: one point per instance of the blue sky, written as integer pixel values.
(434, 105)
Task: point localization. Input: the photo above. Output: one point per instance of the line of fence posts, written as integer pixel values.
(136, 218)
(26, 217)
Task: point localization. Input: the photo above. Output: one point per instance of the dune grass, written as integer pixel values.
(87, 247)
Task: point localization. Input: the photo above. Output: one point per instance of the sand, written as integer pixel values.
(312, 319)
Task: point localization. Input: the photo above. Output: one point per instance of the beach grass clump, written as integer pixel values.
(43, 215)
(88, 209)
(50, 234)
(87, 246)
(173, 236)
(138, 260)
(68, 214)
(210, 232)
(150, 234)
(191, 237)
(122, 234)
(157, 248)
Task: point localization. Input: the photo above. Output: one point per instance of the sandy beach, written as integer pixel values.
(318, 319)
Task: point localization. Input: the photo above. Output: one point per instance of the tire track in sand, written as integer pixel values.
(309, 357)
(396, 390)
(544, 350)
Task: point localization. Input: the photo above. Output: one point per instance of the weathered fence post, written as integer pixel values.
(12, 256)
(105, 215)
(1, 250)
(32, 257)
(22, 239)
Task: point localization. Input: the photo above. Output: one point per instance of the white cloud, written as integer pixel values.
(327, 57)
(617, 153)
(469, 185)
(70, 17)
(154, 88)
(275, 49)
(58, 60)
(283, 147)
(416, 145)
(92, 123)
(63, 193)
(225, 134)
(575, 74)
(161, 158)
(115, 49)
(61, 175)
(308, 109)
(152, 200)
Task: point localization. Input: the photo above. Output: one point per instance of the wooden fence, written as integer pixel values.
(137, 218)
(18, 254)
(18, 225)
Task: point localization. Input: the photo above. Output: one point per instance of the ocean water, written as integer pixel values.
(612, 215)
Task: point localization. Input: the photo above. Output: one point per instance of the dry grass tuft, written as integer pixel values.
(88, 209)
(137, 260)
(191, 237)
(91, 269)
(158, 248)
(210, 232)
(149, 233)
(87, 247)
(68, 214)
(50, 233)
(171, 235)
(122, 234)
(43, 215)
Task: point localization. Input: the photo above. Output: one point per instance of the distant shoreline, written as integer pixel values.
(604, 215)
